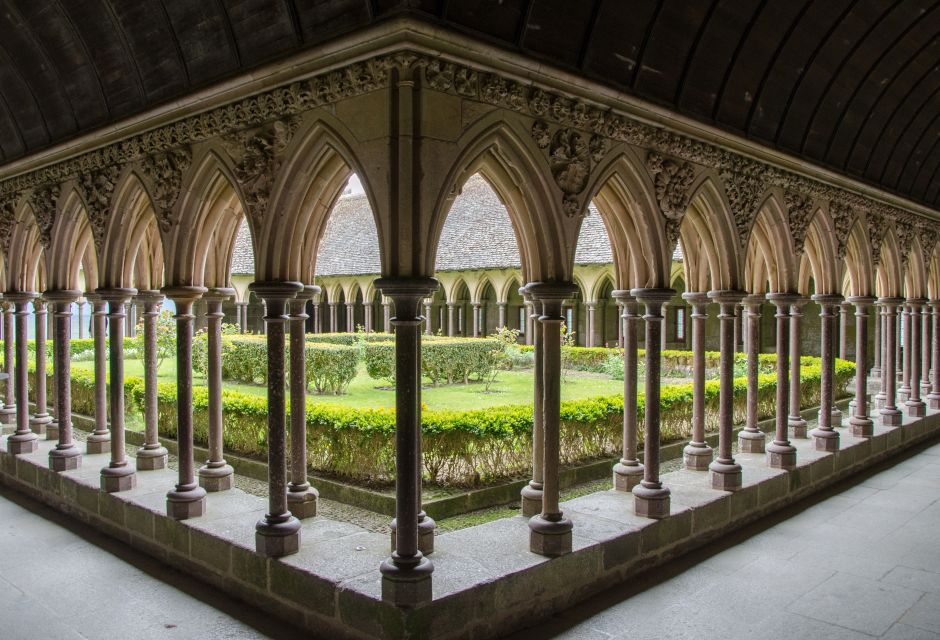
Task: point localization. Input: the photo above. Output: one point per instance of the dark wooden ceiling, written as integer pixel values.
(850, 84)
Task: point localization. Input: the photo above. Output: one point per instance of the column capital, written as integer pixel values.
(754, 300)
(119, 295)
(551, 291)
(62, 296)
(696, 297)
(827, 300)
(889, 301)
(407, 294)
(652, 295)
(726, 296)
(20, 297)
(935, 304)
(860, 302)
(623, 296)
(917, 302)
(276, 290)
(149, 296)
(219, 294)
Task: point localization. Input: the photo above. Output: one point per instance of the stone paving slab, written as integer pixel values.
(486, 581)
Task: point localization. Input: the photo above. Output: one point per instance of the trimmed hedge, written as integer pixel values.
(443, 360)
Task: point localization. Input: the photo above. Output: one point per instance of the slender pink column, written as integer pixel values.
(301, 497)
(187, 499)
(23, 439)
(406, 575)
(795, 420)
(152, 455)
(99, 440)
(697, 455)
(118, 475)
(65, 455)
(726, 474)
(216, 474)
(904, 391)
(860, 423)
(825, 437)
(651, 497)
(629, 471)
(550, 531)
(41, 418)
(781, 454)
(532, 492)
(925, 314)
(751, 439)
(880, 342)
(8, 412)
(933, 398)
(890, 414)
(876, 368)
(916, 408)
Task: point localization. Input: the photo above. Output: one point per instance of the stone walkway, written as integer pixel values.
(861, 561)
(60, 580)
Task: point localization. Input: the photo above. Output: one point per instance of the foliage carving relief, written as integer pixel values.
(744, 186)
(43, 201)
(877, 229)
(843, 217)
(799, 214)
(672, 182)
(7, 221)
(258, 156)
(98, 190)
(164, 170)
(571, 156)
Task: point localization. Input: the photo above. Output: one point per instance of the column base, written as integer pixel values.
(924, 389)
(550, 538)
(303, 504)
(98, 443)
(915, 408)
(426, 527)
(406, 586)
(861, 427)
(24, 443)
(825, 440)
(183, 504)
(696, 457)
(903, 396)
(878, 401)
(277, 539)
(215, 479)
(65, 459)
(751, 441)
(835, 417)
(151, 459)
(891, 417)
(626, 477)
(933, 401)
(38, 424)
(781, 455)
(531, 499)
(725, 476)
(52, 430)
(797, 426)
(650, 502)
(8, 414)
(115, 479)
(875, 372)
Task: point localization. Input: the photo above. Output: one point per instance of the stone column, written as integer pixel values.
(795, 419)
(238, 317)
(738, 321)
(187, 499)
(100, 438)
(366, 316)
(118, 475)
(843, 330)
(781, 454)
(825, 437)
(41, 419)
(428, 319)
(387, 316)
(651, 497)
(532, 492)
(725, 472)
(629, 471)
(152, 455)
(751, 439)
(8, 412)
(23, 439)
(501, 308)
(333, 317)
(406, 575)
(933, 398)
(301, 497)
(65, 455)
(860, 423)
(81, 319)
(662, 329)
(216, 474)
(916, 408)
(620, 325)
(904, 391)
(881, 342)
(529, 322)
(876, 369)
(243, 327)
(476, 320)
(550, 531)
(925, 313)
(451, 319)
(591, 308)
(697, 455)
(890, 414)
(351, 317)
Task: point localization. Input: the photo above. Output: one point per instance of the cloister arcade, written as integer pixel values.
(156, 216)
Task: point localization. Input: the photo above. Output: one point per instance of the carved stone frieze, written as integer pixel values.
(843, 217)
(44, 201)
(877, 229)
(7, 221)
(744, 186)
(164, 170)
(571, 156)
(258, 158)
(799, 214)
(672, 181)
(98, 190)
(904, 229)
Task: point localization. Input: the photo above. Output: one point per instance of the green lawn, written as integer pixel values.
(511, 387)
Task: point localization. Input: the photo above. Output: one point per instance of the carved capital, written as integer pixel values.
(164, 170)
(258, 158)
(571, 156)
(44, 201)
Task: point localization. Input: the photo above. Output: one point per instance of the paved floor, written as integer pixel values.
(860, 561)
(60, 580)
